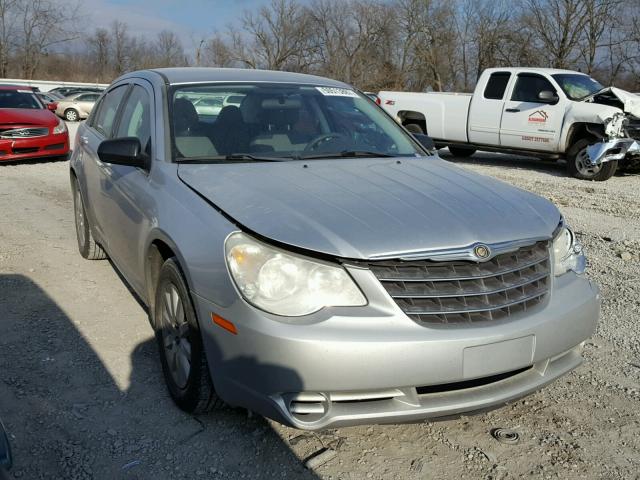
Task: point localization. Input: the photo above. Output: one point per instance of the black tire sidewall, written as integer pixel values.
(77, 195)
(186, 398)
(608, 168)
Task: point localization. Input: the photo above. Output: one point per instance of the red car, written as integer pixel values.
(28, 130)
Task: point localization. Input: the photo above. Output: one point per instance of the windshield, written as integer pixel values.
(19, 99)
(577, 87)
(281, 121)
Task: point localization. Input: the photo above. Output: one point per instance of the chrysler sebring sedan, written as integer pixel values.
(303, 256)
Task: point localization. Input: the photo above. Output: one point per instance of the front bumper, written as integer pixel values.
(338, 369)
(34, 148)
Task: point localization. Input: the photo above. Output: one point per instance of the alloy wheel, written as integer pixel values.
(79, 214)
(583, 165)
(175, 335)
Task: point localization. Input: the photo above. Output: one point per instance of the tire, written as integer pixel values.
(463, 152)
(184, 363)
(71, 115)
(414, 128)
(577, 168)
(87, 245)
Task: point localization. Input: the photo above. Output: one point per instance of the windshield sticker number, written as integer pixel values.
(337, 92)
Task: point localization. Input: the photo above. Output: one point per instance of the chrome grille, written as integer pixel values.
(467, 292)
(25, 132)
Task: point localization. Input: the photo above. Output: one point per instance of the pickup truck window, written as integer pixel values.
(496, 85)
(528, 86)
(576, 86)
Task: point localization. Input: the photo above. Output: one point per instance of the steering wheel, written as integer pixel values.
(323, 138)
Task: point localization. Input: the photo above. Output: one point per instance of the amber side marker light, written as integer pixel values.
(226, 324)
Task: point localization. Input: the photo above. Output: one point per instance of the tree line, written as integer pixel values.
(374, 44)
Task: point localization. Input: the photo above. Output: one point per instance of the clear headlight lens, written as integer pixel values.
(567, 253)
(60, 128)
(286, 284)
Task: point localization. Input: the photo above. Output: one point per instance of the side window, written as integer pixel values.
(136, 118)
(529, 86)
(496, 85)
(103, 121)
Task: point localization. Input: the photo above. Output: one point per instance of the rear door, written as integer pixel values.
(526, 121)
(128, 202)
(99, 127)
(487, 105)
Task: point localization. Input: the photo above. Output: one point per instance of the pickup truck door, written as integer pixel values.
(529, 123)
(487, 106)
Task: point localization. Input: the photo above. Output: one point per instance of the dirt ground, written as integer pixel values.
(82, 394)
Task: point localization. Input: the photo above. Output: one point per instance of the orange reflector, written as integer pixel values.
(226, 324)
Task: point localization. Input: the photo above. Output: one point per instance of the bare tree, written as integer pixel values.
(8, 12)
(556, 27)
(169, 51)
(99, 47)
(43, 24)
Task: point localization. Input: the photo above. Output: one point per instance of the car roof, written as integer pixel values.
(16, 87)
(186, 75)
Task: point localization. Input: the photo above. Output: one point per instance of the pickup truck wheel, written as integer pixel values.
(579, 167)
(461, 151)
(414, 128)
(87, 245)
(184, 363)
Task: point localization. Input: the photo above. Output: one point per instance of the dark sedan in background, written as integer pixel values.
(28, 130)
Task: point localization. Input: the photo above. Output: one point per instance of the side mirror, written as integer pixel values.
(547, 96)
(425, 140)
(122, 151)
(52, 106)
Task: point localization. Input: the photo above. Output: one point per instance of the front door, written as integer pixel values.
(527, 123)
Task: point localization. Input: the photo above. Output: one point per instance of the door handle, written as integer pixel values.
(512, 110)
(84, 140)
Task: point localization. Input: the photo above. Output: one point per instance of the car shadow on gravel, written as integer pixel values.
(67, 417)
(551, 167)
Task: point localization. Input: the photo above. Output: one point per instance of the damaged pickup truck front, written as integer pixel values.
(548, 113)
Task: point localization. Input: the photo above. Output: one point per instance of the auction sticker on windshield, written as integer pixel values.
(337, 92)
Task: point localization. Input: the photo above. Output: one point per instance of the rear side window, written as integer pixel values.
(103, 121)
(529, 86)
(136, 118)
(496, 85)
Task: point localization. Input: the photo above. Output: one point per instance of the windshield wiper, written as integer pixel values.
(234, 157)
(346, 154)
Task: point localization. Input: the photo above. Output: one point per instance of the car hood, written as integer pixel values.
(630, 101)
(371, 208)
(27, 116)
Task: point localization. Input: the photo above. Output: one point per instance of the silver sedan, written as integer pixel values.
(305, 257)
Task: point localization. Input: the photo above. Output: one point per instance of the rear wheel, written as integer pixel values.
(182, 355)
(87, 245)
(578, 165)
(71, 115)
(461, 151)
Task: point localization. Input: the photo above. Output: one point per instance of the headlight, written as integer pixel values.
(60, 128)
(286, 284)
(567, 253)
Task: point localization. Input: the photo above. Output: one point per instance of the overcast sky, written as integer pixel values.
(190, 19)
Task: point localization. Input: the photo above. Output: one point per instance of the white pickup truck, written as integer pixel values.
(533, 111)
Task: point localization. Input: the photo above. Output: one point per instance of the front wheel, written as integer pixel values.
(184, 363)
(578, 165)
(461, 151)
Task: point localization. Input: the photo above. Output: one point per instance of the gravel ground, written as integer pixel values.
(82, 395)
